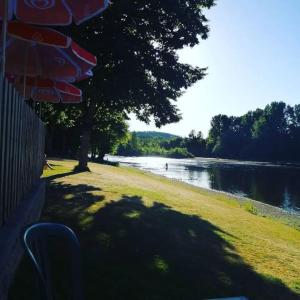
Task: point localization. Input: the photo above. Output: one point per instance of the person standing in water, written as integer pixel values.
(167, 166)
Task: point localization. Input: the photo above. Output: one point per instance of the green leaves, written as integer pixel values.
(135, 42)
(269, 134)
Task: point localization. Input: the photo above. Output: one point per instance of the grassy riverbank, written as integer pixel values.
(147, 237)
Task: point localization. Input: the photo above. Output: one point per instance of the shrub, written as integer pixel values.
(250, 207)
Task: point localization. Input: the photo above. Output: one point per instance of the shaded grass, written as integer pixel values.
(147, 237)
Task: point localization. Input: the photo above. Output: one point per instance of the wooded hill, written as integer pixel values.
(155, 134)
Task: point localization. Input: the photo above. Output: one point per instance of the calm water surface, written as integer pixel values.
(273, 184)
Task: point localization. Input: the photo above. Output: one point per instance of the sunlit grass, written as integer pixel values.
(58, 168)
(111, 206)
(271, 248)
(258, 234)
(133, 214)
(160, 264)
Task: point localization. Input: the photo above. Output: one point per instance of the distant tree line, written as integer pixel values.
(153, 146)
(272, 134)
(174, 147)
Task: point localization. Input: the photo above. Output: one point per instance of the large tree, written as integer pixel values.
(138, 71)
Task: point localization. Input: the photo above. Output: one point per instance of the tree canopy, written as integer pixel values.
(138, 67)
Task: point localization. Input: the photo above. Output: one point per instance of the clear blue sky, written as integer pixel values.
(253, 58)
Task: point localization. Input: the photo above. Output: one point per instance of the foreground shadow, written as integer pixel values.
(134, 251)
(158, 253)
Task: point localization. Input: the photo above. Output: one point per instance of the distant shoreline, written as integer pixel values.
(226, 161)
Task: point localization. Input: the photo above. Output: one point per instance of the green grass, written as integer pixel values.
(248, 206)
(147, 237)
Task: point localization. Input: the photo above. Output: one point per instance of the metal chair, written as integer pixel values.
(35, 239)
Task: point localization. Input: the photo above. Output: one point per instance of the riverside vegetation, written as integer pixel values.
(147, 237)
(269, 134)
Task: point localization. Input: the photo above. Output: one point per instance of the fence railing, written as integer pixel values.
(22, 137)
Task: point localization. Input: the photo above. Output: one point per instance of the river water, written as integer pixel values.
(278, 185)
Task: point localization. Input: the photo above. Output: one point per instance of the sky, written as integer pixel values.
(253, 58)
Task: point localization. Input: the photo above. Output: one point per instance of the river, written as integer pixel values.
(278, 185)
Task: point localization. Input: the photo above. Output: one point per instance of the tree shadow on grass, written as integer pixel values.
(67, 203)
(51, 178)
(60, 175)
(134, 251)
(155, 252)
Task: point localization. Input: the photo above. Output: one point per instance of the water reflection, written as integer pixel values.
(272, 184)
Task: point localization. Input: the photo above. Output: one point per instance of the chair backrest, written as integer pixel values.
(36, 238)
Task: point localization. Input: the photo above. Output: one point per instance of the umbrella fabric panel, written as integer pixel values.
(39, 82)
(10, 9)
(32, 81)
(54, 96)
(83, 54)
(67, 88)
(47, 12)
(54, 12)
(39, 60)
(46, 53)
(38, 94)
(40, 35)
(87, 10)
(66, 98)
(46, 90)
(45, 95)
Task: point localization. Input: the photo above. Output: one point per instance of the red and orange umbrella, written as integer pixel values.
(44, 52)
(46, 90)
(53, 12)
(49, 12)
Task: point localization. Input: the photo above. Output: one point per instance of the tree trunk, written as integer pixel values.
(85, 139)
(64, 145)
(49, 143)
(101, 157)
(93, 154)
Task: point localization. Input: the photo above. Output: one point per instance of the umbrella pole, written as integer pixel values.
(3, 36)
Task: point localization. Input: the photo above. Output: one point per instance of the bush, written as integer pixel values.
(249, 206)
